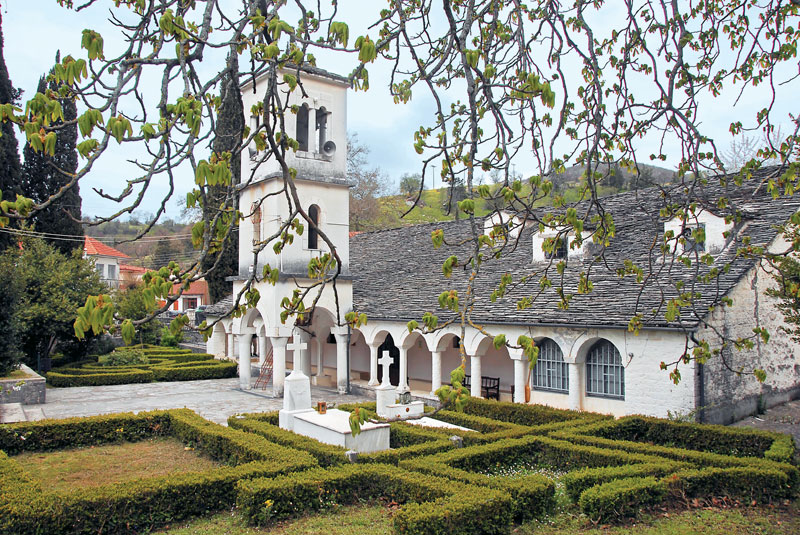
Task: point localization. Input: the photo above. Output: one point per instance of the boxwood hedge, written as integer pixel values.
(164, 365)
(431, 505)
(27, 507)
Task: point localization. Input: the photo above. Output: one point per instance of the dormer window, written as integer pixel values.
(302, 128)
(693, 243)
(714, 234)
(553, 244)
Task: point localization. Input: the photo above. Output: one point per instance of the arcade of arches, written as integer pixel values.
(576, 370)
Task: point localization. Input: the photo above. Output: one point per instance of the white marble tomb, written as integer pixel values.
(333, 427)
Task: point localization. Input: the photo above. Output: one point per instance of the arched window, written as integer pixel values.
(322, 127)
(550, 372)
(313, 215)
(302, 127)
(605, 375)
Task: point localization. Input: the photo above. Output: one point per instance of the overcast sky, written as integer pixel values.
(386, 128)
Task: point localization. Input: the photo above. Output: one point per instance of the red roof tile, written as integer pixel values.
(132, 269)
(92, 247)
(195, 288)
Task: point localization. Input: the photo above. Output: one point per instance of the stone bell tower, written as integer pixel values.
(318, 121)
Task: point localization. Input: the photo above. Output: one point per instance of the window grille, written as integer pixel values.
(605, 375)
(560, 250)
(550, 372)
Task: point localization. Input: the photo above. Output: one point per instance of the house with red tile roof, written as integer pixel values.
(106, 258)
(130, 276)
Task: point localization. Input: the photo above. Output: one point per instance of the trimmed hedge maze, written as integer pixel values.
(610, 469)
(26, 507)
(164, 364)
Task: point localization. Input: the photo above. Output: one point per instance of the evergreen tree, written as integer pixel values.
(44, 175)
(228, 136)
(9, 151)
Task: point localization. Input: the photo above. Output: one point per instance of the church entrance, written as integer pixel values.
(394, 352)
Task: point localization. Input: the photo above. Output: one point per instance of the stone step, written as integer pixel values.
(11, 413)
(33, 413)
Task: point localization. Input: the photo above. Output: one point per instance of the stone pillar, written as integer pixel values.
(244, 360)
(262, 348)
(373, 365)
(230, 353)
(342, 370)
(402, 385)
(302, 358)
(574, 386)
(519, 379)
(313, 139)
(475, 376)
(278, 364)
(436, 371)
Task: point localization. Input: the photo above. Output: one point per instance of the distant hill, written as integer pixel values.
(168, 240)
(432, 205)
(622, 179)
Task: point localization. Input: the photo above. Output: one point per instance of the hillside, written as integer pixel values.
(432, 205)
(166, 241)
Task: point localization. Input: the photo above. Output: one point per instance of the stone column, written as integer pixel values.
(519, 379)
(230, 353)
(402, 384)
(574, 386)
(262, 349)
(244, 360)
(302, 359)
(475, 376)
(342, 371)
(373, 365)
(313, 139)
(436, 371)
(278, 364)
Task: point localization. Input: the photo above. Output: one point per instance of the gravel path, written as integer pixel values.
(214, 399)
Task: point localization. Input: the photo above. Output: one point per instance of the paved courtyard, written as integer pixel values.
(215, 399)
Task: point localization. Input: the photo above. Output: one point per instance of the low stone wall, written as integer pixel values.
(28, 390)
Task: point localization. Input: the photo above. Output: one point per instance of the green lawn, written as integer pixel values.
(101, 465)
(376, 520)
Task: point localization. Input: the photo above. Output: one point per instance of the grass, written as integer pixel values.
(376, 520)
(764, 520)
(102, 465)
(16, 374)
(352, 520)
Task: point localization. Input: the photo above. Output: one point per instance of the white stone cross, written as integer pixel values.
(385, 361)
(294, 347)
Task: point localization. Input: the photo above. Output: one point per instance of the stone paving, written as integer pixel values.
(784, 418)
(214, 399)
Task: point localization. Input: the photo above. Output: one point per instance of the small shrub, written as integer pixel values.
(170, 340)
(123, 357)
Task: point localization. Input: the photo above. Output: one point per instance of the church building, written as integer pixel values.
(588, 358)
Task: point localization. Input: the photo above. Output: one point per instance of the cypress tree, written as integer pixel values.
(9, 150)
(228, 137)
(44, 175)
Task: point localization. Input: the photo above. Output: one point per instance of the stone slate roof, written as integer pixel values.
(220, 307)
(398, 275)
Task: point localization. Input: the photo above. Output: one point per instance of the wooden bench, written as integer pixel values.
(490, 386)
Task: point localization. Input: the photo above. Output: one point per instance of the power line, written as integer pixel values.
(73, 237)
